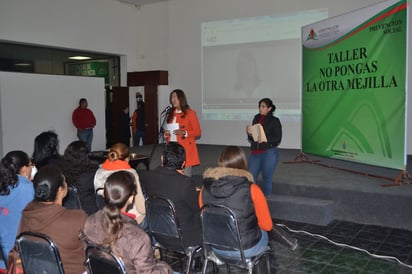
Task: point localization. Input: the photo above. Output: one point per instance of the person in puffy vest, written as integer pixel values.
(231, 184)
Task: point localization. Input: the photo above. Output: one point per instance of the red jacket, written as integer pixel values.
(190, 123)
(83, 118)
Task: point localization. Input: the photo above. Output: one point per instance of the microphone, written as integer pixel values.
(167, 109)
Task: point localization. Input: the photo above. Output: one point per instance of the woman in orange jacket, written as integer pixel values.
(231, 184)
(187, 128)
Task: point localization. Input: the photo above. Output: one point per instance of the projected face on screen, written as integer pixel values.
(246, 59)
(247, 75)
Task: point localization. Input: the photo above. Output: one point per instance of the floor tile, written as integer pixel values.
(351, 260)
(378, 230)
(381, 266)
(371, 246)
(332, 269)
(401, 239)
(365, 235)
(400, 233)
(319, 256)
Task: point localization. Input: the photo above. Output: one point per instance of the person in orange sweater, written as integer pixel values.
(118, 159)
(231, 184)
(186, 128)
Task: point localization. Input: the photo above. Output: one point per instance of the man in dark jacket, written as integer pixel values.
(169, 182)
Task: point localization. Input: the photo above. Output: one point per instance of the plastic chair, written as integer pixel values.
(163, 225)
(100, 260)
(39, 254)
(220, 230)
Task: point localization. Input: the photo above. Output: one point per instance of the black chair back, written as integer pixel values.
(39, 254)
(99, 260)
(220, 230)
(163, 225)
(163, 222)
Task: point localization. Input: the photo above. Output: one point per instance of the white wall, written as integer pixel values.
(106, 26)
(33, 103)
(152, 48)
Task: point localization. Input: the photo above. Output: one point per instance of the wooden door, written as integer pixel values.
(150, 113)
(119, 99)
(150, 80)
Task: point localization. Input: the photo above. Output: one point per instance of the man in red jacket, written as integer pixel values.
(84, 120)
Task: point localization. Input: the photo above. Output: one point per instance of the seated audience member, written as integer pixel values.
(117, 230)
(118, 159)
(46, 149)
(45, 214)
(231, 184)
(16, 191)
(79, 172)
(169, 182)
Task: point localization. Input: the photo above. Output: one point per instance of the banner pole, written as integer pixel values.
(404, 178)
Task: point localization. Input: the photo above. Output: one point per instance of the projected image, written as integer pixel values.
(244, 60)
(236, 77)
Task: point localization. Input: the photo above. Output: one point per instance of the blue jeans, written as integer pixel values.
(266, 163)
(137, 136)
(250, 252)
(86, 136)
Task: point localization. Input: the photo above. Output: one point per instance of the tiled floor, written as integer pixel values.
(317, 255)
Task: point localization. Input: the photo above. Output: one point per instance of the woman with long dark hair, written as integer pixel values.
(16, 191)
(79, 171)
(46, 149)
(188, 128)
(117, 230)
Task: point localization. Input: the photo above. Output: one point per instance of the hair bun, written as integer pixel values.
(112, 155)
(42, 192)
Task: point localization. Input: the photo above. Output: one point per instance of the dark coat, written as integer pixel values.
(273, 131)
(231, 187)
(181, 190)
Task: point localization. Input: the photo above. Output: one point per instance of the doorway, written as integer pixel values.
(149, 80)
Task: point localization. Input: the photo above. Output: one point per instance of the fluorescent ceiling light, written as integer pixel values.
(23, 64)
(79, 58)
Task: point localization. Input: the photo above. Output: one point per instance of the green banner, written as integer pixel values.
(92, 69)
(354, 86)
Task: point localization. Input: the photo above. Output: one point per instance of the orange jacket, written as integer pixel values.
(190, 123)
(259, 200)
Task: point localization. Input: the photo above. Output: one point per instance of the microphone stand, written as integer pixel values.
(163, 116)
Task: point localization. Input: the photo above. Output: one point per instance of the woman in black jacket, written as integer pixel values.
(264, 155)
